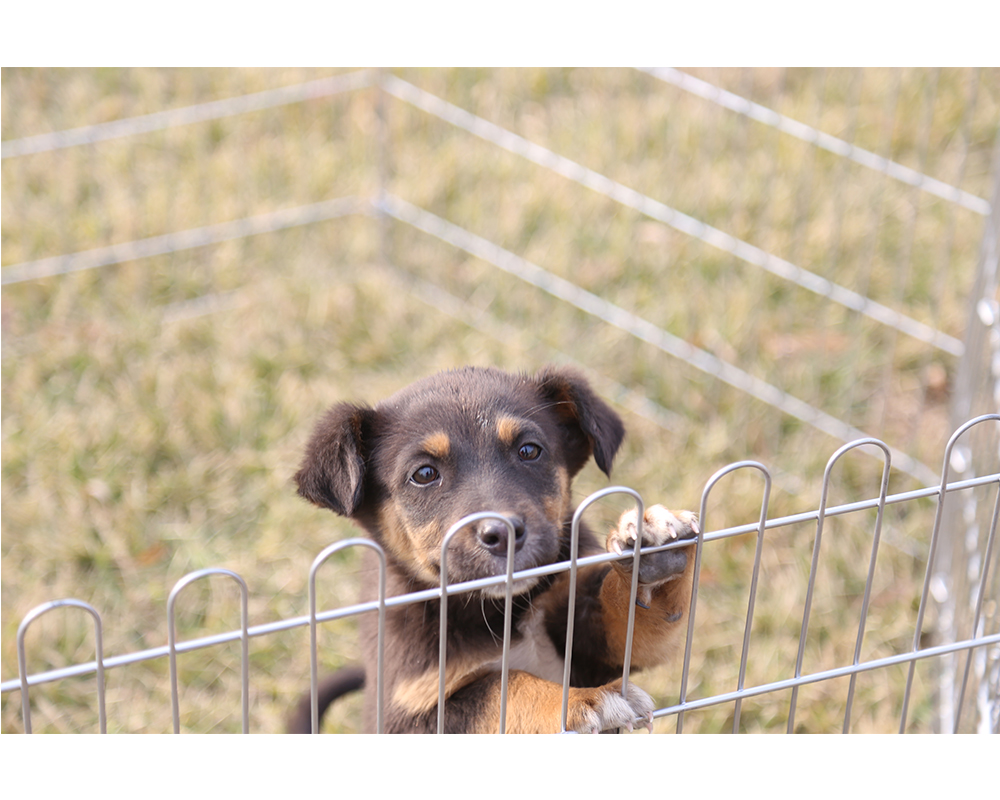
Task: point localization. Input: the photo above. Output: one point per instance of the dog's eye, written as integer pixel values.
(425, 475)
(529, 451)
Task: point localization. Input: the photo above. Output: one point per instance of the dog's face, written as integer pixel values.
(458, 443)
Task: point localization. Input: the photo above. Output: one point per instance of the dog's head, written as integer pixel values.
(455, 444)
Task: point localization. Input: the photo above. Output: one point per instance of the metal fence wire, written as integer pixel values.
(889, 260)
(972, 660)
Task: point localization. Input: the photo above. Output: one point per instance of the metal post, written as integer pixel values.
(960, 574)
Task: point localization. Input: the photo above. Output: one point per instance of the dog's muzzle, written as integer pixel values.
(494, 535)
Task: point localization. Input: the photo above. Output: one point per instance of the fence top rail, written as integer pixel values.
(174, 117)
(87, 668)
(359, 79)
(807, 133)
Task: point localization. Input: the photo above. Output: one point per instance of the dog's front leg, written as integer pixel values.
(664, 590)
(534, 705)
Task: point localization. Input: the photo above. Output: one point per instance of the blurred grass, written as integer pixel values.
(143, 439)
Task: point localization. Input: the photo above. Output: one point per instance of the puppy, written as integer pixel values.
(479, 439)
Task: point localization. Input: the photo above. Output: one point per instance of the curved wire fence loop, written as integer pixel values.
(702, 512)
(313, 645)
(932, 552)
(188, 579)
(876, 539)
(22, 660)
(508, 606)
(633, 591)
(820, 521)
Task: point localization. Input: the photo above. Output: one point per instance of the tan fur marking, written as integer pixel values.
(654, 638)
(426, 550)
(534, 705)
(437, 445)
(393, 530)
(421, 548)
(420, 694)
(557, 507)
(508, 429)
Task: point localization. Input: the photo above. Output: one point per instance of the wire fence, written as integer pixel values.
(976, 654)
(924, 213)
(404, 211)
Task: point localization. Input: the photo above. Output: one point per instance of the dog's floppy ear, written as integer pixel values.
(333, 470)
(593, 428)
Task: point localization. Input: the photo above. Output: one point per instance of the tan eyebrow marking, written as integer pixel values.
(508, 429)
(437, 445)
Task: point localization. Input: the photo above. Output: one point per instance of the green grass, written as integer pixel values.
(140, 443)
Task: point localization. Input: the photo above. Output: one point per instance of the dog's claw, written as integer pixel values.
(659, 526)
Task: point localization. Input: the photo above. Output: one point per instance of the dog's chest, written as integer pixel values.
(534, 652)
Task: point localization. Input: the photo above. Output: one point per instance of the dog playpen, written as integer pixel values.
(960, 502)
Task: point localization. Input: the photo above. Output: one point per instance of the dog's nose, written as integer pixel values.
(495, 536)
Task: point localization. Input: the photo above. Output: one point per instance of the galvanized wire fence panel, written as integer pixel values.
(981, 646)
(804, 257)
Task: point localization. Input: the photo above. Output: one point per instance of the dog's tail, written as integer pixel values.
(347, 680)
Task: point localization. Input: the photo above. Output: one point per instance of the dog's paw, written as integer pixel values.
(659, 526)
(604, 708)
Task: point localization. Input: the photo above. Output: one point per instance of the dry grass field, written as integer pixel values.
(154, 411)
